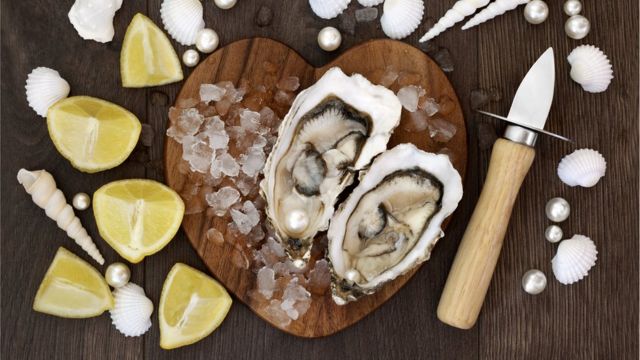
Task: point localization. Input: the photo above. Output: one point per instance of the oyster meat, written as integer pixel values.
(333, 129)
(391, 220)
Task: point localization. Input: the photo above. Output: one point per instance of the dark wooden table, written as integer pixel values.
(595, 318)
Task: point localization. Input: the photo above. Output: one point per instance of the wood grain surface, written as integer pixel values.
(244, 61)
(596, 318)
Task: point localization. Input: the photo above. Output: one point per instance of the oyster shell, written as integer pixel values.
(333, 128)
(391, 220)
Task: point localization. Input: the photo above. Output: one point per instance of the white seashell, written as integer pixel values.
(582, 167)
(574, 258)
(93, 19)
(131, 313)
(401, 17)
(182, 19)
(44, 193)
(494, 9)
(459, 11)
(590, 68)
(44, 88)
(368, 3)
(328, 9)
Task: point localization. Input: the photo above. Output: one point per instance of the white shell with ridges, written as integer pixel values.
(131, 313)
(574, 258)
(370, 2)
(93, 19)
(590, 68)
(182, 19)
(44, 88)
(582, 167)
(401, 17)
(44, 193)
(494, 9)
(328, 9)
(459, 11)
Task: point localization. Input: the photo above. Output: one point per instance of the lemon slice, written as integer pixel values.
(147, 57)
(93, 134)
(72, 288)
(192, 306)
(137, 217)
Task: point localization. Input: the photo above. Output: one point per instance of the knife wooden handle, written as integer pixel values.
(478, 253)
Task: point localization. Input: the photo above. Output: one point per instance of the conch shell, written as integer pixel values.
(42, 188)
(459, 11)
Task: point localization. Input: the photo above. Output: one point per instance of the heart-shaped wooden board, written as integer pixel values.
(244, 61)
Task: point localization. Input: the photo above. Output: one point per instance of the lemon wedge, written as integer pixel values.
(93, 134)
(147, 57)
(192, 306)
(137, 217)
(72, 288)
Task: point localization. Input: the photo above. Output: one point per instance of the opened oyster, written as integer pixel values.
(391, 220)
(333, 128)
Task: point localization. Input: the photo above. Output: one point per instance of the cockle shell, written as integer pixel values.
(574, 258)
(582, 167)
(93, 19)
(590, 68)
(44, 193)
(44, 88)
(182, 19)
(368, 3)
(328, 9)
(131, 313)
(459, 11)
(494, 9)
(401, 17)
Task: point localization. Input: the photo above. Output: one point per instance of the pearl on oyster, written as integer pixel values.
(329, 38)
(352, 275)
(117, 274)
(207, 41)
(297, 221)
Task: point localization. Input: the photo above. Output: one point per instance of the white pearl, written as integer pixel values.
(329, 38)
(297, 221)
(536, 12)
(557, 209)
(572, 7)
(207, 41)
(225, 4)
(117, 274)
(190, 58)
(81, 201)
(553, 233)
(577, 27)
(534, 282)
(299, 263)
(352, 275)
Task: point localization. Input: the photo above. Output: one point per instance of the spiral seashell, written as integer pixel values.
(44, 193)
(574, 258)
(582, 167)
(459, 11)
(182, 19)
(401, 17)
(590, 68)
(328, 9)
(44, 88)
(131, 313)
(494, 9)
(93, 19)
(368, 3)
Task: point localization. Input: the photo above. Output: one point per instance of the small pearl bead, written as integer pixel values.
(557, 209)
(207, 41)
(81, 201)
(225, 4)
(577, 27)
(352, 275)
(297, 221)
(572, 7)
(190, 58)
(536, 12)
(553, 233)
(117, 274)
(534, 282)
(329, 38)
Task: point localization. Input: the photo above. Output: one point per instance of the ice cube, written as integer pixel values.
(429, 105)
(253, 162)
(283, 97)
(390, 76)
(441, 130)
(319, 277)
(266, 282)
(249, 120)
(295, 299)
(275, 313)
(246, 184)
(416, 122)
(268, 117)
(228, 165)
(246, 219)
(289, 83)
(211, 92)
(409, 96)
(222, 199)
(215, 236)
(366, 14)
(259, 142)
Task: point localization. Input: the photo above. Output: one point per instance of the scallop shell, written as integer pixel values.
(368, 3)
(93, 19)
(182, 19)
(401, 17)
(131, 313)
(328, 9)
(574, 259)
(44, 88)
(582, 167)
(590, 68)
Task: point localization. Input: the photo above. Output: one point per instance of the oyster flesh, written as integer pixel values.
(333, 129)
(391, 220)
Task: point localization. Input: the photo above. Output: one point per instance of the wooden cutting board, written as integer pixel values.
(244, 60)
